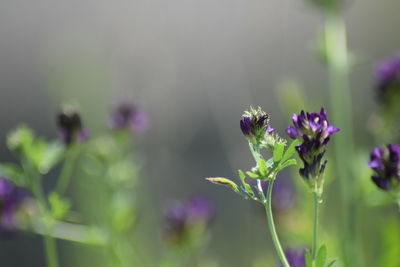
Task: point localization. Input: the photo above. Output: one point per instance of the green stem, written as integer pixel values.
(66, 170)
(271, 225)
(338, 67)
(314, 246)
(48, 241)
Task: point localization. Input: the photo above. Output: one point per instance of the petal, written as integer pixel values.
(292, 132)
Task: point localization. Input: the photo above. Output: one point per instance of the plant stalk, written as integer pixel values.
(66, 170)
(314, 246)
(49, 242)
(338, 68)
(271, 225)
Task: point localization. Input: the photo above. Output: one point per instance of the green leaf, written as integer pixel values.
(246, 187)
(278, 152)
(51, 155)
(321, 256)
(331, 263)
(291, 149)
(59, 207)
(20, 140)
(286, 164)
(253, 175)
(224, 181)
(262, 169)
(242, 176)
(13, 172)
(308, 258)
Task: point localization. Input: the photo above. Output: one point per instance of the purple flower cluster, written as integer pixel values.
(181, 217)
(385, 162)
(388, 77)
(129, 116)
(70, 126)
(314, 130)
(11, 199)
(254, 125)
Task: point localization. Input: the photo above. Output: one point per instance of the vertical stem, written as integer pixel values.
(50, 250)
(314, 246)
(338, 68)
(271, 225)
(66, 170)
(48, 241)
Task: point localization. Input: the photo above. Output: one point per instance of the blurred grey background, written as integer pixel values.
(194, 65)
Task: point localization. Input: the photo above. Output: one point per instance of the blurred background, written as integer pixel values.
(194, 65)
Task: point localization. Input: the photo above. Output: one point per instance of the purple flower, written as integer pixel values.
(70, 127)
(254, 125)
(314, 130)
(388, 77)
(295, 257)
(385, 162)
(11, 199)
(129, 116)
(182, 217)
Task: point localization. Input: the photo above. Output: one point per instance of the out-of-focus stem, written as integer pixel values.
(48, 241)
(271, 225)
(338, 67)
(66, 170)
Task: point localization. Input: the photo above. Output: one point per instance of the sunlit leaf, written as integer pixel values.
(224, 181)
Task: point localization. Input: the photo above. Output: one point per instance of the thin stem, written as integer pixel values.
(50, 250)
(66, 170)
(314, 246)
(271, 225)
(48, 241)
(338, 68)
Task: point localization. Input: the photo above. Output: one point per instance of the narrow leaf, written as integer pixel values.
(246, 187)
(278, 152)
(291, 149)
(262, 167)
(308, 258)
(287, 164)
(331, 263)
(224, 181)
(321, 256)
(242, 176)
(252, 175)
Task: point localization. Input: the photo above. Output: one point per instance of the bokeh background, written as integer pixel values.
(194, 65)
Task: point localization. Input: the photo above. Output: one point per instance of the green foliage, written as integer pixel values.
(278, 152)
(14, 173)
(225, 182)
(39, 154)
(59, 207)
(321, 257)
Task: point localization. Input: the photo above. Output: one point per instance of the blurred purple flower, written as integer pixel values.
(70, 127)
(295, 257)
(388, 77)
(385, 162)
(11, 199)
(314, 130)
(129, 116)
(181, 217)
